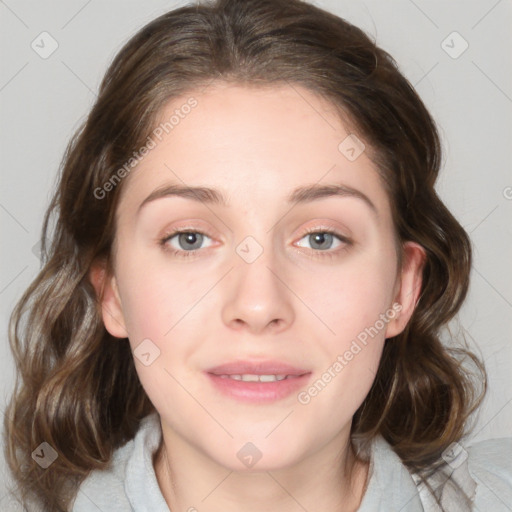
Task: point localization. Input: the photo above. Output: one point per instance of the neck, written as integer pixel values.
(326, 481)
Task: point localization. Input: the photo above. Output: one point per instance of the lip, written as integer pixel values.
(257, 392)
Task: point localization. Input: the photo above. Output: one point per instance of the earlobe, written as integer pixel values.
(107, 294)
(409, 287)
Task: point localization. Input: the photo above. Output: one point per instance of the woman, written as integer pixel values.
(241, 302)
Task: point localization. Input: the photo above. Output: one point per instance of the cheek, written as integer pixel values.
(356, 305)
(157, 295)
(352, 297)
(164, 318)
(155, 306)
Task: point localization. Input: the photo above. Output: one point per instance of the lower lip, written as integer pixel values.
(258, 392)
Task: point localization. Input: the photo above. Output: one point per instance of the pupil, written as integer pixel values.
(190, 239)
(322, 239)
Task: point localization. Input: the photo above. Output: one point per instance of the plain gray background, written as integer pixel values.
(469, 93)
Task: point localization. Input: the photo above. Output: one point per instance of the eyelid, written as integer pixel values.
(343, 240)
(322, 225)
(168, 235)
(332, 231)
(179, 231)
(185, 228)
(164, 240)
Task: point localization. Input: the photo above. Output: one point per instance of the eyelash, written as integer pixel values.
(322, 254)
(329, 253)
(175, 252)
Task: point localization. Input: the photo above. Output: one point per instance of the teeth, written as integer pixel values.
(248, 377)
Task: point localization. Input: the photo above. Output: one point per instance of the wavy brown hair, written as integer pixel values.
(76, 386)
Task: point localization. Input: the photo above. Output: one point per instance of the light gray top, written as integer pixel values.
(483, 470)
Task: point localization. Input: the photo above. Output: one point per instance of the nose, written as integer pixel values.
(257, 297)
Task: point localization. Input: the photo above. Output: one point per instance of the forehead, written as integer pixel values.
(251, 143)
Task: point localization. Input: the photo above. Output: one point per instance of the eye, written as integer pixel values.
(184, 243)
(322, 240)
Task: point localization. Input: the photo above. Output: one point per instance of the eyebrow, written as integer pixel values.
(300, 195)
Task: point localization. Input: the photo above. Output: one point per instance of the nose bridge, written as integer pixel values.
(253, 267)
(256, 296)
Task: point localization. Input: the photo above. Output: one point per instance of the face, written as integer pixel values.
(274, 275)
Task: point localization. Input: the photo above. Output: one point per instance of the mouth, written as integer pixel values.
(248, 377)
(257, 382)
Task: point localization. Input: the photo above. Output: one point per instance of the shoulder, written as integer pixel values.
(128, 477)
(104, 489)
(490, 465)
(472, 477)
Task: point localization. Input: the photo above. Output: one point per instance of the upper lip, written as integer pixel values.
(256, 368)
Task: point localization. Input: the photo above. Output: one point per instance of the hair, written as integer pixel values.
(76, 385)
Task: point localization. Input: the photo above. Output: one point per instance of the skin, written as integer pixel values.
(293, 303)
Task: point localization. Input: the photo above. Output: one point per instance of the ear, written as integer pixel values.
(408, 287)
(108, 297)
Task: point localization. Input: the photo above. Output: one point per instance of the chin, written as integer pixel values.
(257, 455)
